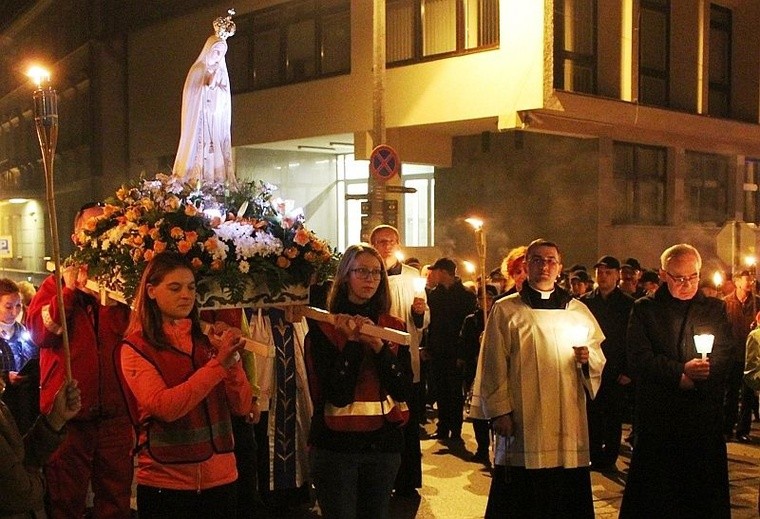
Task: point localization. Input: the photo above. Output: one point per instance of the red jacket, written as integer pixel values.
(209, 422)
(94, 333)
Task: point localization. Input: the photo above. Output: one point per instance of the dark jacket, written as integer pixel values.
(448, 308)
(21, 460)
(337, 372)
(612, 314)
(656, 360)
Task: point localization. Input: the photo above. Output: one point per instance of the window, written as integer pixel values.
(290, 43)
(639, 184)
(419, 29)
(751, 191)
(719, 98)
(654, 40)
(575, 45)
(417, 208)
(707, 188)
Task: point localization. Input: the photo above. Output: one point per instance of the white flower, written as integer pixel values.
(244, 266)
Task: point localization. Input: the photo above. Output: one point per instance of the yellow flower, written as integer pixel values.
(148, 204)
(177, 233)
(109, 210)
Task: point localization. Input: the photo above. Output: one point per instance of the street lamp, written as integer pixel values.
(46, 120)
(480, 244)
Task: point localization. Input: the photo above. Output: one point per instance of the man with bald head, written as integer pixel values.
(679, 465)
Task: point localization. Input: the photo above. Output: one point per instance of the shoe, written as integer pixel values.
(440, 435)
(604, 468)
(481, 457)
(406, 493)
(743, 438)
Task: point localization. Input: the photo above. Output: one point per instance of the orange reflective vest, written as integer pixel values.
(372, 407)
(195, 437)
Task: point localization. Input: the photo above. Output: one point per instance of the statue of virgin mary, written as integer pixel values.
(205, 148)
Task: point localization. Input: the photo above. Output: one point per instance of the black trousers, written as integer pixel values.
(163, 503)
(449, 380)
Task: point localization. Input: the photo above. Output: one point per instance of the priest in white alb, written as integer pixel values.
(540, 356)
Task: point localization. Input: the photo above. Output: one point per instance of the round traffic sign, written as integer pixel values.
(384, 162)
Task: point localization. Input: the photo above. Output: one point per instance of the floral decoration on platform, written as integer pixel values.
(233, 236)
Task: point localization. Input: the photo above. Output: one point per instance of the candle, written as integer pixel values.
(399, 255)
(419, 285)
(577, 335)
(704, 343)
(717, 279)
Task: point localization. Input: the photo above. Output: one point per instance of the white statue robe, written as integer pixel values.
(527, 367)
(402, 296)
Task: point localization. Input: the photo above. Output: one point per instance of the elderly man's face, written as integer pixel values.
(682, 276)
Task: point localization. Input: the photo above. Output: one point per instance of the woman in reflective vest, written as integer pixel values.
(359, 385)
(181, 387)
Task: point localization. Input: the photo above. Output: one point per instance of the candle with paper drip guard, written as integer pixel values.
(704, 344)
(577, 336)
(419, 286)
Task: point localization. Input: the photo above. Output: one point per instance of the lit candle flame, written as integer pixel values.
(476, 223)
(469, 267)
(704, 343)
(577, 335)
(750, 261)
(420, 284)
(717, 279)
(39, 75)
(399, 255)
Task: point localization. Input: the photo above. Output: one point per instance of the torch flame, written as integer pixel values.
(476, 223)
(39, 75)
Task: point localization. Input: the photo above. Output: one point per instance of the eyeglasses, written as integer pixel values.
(538, 261)
(363, 273)
(683, 280)
(387, 241)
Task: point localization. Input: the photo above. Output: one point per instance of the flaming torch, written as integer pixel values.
(46, 120)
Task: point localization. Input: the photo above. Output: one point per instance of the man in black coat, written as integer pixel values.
(679, 466)
(611, 308)
(450, 302)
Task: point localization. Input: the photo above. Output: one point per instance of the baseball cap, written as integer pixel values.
(608, 261)
(631, 263)
(446, 264)
(581, 275)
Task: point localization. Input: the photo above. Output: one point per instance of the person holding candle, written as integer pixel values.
(181, 388)
(408, 303)
(19, 360)
(359, 385)
(679, 465)
(534, 377)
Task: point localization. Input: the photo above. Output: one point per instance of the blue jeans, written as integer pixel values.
(355, 484)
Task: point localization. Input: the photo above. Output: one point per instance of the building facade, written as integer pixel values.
(610, 126)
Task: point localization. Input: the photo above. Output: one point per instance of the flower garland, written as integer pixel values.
(230, 235)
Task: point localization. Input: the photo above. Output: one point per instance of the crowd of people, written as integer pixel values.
(545, 363)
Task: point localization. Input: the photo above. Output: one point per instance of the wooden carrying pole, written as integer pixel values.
(387, 334)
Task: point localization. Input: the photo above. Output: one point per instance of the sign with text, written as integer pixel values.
(6, 247)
